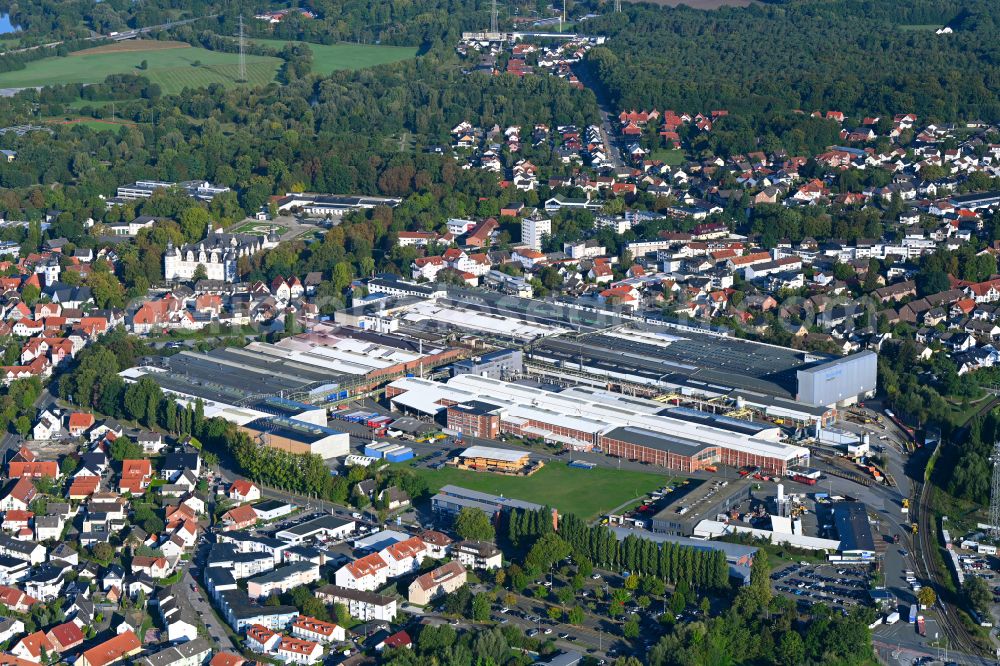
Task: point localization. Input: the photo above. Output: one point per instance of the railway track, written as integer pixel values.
(958, 636)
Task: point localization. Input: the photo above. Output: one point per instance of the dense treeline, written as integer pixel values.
(48, 20)
(966, 472)
(844, 55)
(703, 569)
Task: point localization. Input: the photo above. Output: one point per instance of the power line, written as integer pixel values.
(243, 55)
(493, 18)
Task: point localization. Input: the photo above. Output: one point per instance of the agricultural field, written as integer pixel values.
(172, 65)
(328, 58)
(585, 492)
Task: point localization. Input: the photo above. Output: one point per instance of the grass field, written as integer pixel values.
(585, 492)
(668, 156)
(132, 46)
(257, 228)
(328, 58)
(173, 68)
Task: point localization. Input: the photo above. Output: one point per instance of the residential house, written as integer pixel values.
(311, 629)
(366, 573)
(244, 491)
(439, 582)
(112, 651)
(240, 517)
(17, 494)
(136, 476)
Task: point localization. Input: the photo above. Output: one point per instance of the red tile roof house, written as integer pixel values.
(239, 518)
(15, 599)
(30, 647)
(112, 651)
(34, 470)
(296, 650)
(244, 491)
(261, 639)
(65, 636)
(400, 639)
(20, 496)
(311, 629)
(16, 520)
(80, 423)
(83, 487)
(136, 475)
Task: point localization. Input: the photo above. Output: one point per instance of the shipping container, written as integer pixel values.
(804, 479)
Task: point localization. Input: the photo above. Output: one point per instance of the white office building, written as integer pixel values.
(533, 230)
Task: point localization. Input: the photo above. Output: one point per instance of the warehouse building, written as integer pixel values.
(851, 521)
(585, 419)
(328, 363)
(710, 365)
(388, 451)
(648, 353)
(500, 364)
(324, 527)
(697, 500)
(659, 449)
(451, 499)
(296, 436)
(330, 205)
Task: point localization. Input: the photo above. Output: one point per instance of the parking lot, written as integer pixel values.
(837, 585)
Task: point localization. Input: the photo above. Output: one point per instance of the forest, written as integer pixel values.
(845, 55)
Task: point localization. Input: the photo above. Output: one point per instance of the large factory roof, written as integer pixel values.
(657, 440)
(573, 410)
(445, 313)
(742, 426)
(292, 429)
(649, 356)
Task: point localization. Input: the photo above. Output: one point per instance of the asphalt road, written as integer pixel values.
(609, 120)
(213, 624)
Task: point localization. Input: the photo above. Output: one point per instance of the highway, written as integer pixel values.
(121, 36)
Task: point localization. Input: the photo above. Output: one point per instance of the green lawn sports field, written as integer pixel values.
(585, 492)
